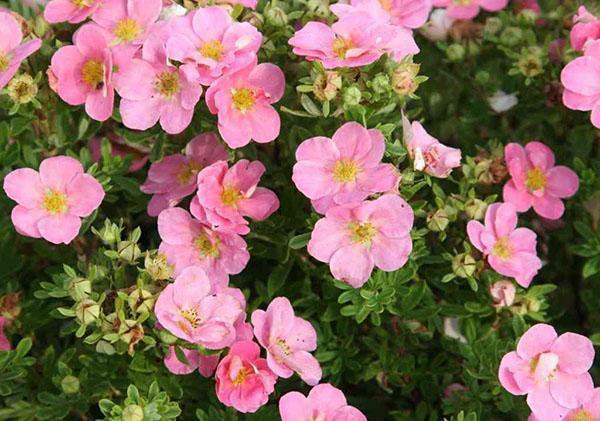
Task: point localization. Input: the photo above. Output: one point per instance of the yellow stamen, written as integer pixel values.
(502, 249)
(345, 171)
(386, 5)
(206, 247)
(92, 73)
(241, 376)
(536, 179)
(581, 415)
(167, 84)
(212, 50)
(362, 233)
(191, 315)
(127, 29)
(282, 344)
(463, 2)
(341, 47)
(187, 172)
(230, 196)
(81, 3)
(55, 202)
(243, 99)
(4, 62)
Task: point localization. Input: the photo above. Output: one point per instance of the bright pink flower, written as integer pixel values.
(118, 147)
(72, 11)
(52, 202)
(191, 310)
(589, 411)
(503, 293)
(550, 370)
(344, 169)
(354, 238)
(210, 41)
(12, 52)
(205, 364)
(288, 340)
(188, 241)
(510, 251)
(4, 342)
(174, 177)
(468, 9)
(242, 100)
(586, 28)
(410, 14)
(128, 21)
(324, 402)
(244, 380)
(581, 79)
(428, 153)
(227, 195)
(536, 181)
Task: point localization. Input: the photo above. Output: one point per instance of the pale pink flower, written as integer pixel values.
(191, 310)
(503, 293)
(118, 147)
(355, 238)
(242, 101)
(4, 342)
(589, 411)
(586, 28)
(536, 181)
(227, 195)
(344, 169)
(52, 202)
(174, 177)
(410, 14)
(210, 41)
(428, 154)
(244, 379)
(128, 21)
(468, 9)
(510, 251)
(324, 402)
(205, 364)
(581, 79)
(188, 241)
(288, 340)
(438, 25)
(551, 370)
(12, 51)
(72, 11)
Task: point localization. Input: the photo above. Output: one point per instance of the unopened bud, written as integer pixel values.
(404, 80)
(475, 208)
(80, 289)
(87, 311)
(70, 385)
(464, 265)
(129, 251)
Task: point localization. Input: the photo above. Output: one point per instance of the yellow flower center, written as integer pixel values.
(92, 73)
(341, 47)
(167, 84)
(502, 249)
(463, 2)
(241, 376)
(55, 202)
(386, 4)
(212, 50)
(230, 196)
(4, 62)
(580, 415)
(191, 315)
(536, 179)
(206, 247)
(283, 346)
(345, 171)
(81, 3)
(187, 172)
(362, 233)
(127, 29)
(243, 99)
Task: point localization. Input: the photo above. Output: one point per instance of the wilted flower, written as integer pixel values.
(503, 293)
(22, 89)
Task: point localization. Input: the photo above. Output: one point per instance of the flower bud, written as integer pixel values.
(80, 289)
(22, 89)
(492, 25)
(141, 300)
(129, 251)
(70, 385)
(157, 267)
(455, 52)
(87, 311)
(133, 413)
(475, 208)
(352, 96)
(464, 265)
(255, 19)
(438, 221)
(503, 293)
(511, 36)
(327, 85)
(380, 83)
(276, 16)
(403, 78)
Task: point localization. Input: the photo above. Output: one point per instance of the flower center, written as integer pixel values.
(167, 83)
(81, 3)
(191, 315)
(4, 62)
(345, 171)
(212, 50)
(386, 5)
(55, 202)
(463, 2)
(206, 247)
(580, 415)
(502, 249)
(243, 99)
(92, 73)
(230, 196)
(362, 233)
(536, 179)
(283, 346)
(431, 156)
(127, 29)
(187, 172)
(241, 376)
(341, 47)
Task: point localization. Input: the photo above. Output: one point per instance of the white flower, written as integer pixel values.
(436, 29)
(501, 101)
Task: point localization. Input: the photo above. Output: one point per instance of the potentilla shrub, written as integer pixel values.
(299, 210)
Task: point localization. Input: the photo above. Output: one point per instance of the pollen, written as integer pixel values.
(536, 179)
(187, 172)
(230, 196)
(55, 202)
(212, 50)
(191, 315)
(206, 247)
(502, 249)
(362, 233)
(4, 62)
(127, 29)
(580, 415)
(81, 3)
(345, 171)
(92, 73)
(167, 84)
(241, 376)
(341, 46)
(22, 89)
(386, 5)
(243, 99)
(283, 346)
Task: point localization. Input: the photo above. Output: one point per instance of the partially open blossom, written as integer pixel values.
(174, 177)
(72, 11)
(468, 9)
(344, 169)
(244, 379)
(128, 21)
(12, 50)
(586, 28)
(551, 370)
(588, 411)
(188, 241)
(503, 293)
(242, 101)
(438, 25)
(227, 195)
(118, 147)
(410, 14)
(288, 340)
(510, 251)
(536, 181)
(324, 402)
(4, 342)
(428, 153)
(355, 238)
(210, 41)
(52, 202)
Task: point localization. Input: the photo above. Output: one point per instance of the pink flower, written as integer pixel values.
(52, 202)
(324, 402)
(227, 195)
(410, 14)
(205, 364)
(468, 9)
(12, 52)
(354, 238)
(510, 251)
(344, 169)
(438, 25)
(192, 311)
(119, 147)
(586, 28)
(4, 342)
(174, 177)
(244, 380)
(246, 3)
(72, 11)
(128, 21)
(188, 241)
(550, 370)
(288, 340)
(503, 293)
(581, 79)
(536, 181)
(428, 153)
(209, 40)
(242, 100)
